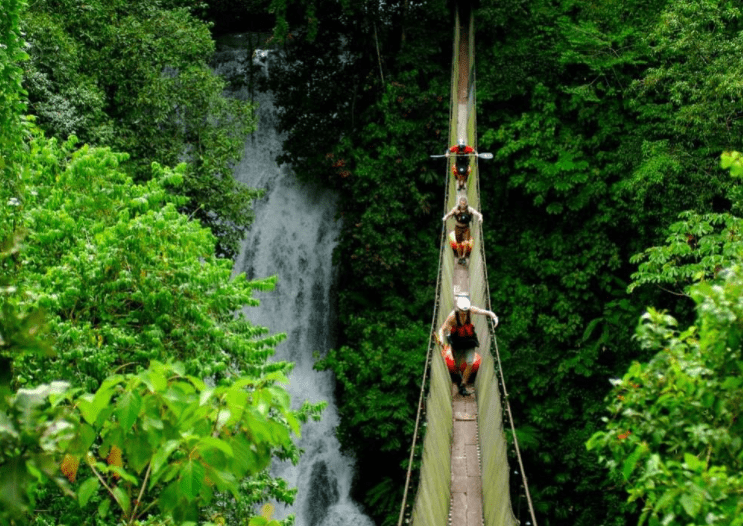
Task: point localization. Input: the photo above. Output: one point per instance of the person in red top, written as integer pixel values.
(461, 148)
(461, 168)
(462, 336)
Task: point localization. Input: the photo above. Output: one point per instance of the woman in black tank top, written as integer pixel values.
(463, 214)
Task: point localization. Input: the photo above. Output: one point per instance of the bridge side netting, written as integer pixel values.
(431, 507)
(494, 466)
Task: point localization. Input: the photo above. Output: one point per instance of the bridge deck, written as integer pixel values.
(466, 481)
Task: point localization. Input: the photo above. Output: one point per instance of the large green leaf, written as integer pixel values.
(160, 458)
(215, 443)
(128, 406)
(86, 490)
(692, 502)
(122, 498)
(191, 478)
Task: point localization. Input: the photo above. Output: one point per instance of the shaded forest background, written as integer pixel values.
(607, 120)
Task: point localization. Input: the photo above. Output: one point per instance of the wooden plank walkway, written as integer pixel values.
(466, 478)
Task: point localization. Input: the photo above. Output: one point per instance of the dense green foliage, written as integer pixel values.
(22, 452)
(593, 162)
(162, 440)
(675, 432)
(158, 403)
(12, 102)
(674, 436)
(135, 76)
(128, 278)
(125, 279)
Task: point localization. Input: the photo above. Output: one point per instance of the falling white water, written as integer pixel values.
(293, 236)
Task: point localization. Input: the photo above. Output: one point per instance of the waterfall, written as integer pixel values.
(293, 236)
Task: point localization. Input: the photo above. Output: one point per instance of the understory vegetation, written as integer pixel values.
(134, 390)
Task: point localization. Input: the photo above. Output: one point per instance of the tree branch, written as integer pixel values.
(379, 57)
(672, 292)
(141, 492)
(108, 488)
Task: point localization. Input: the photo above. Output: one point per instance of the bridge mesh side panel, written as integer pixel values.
(431, 506)
(496, 504)
(432, 502)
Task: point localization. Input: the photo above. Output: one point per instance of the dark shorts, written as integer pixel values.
(462, 233)
(464, 355)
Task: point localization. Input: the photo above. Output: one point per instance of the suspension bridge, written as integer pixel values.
(470, 474)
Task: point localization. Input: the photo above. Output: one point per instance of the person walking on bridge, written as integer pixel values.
(461, 335)
(461, 167)
(463, 214)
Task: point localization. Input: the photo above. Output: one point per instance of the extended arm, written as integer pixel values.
(477, 214)
(475, 310)
(451, 213)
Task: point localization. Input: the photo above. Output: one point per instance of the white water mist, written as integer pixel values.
(293, 236)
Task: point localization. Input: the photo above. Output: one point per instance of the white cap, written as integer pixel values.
(463, 303)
